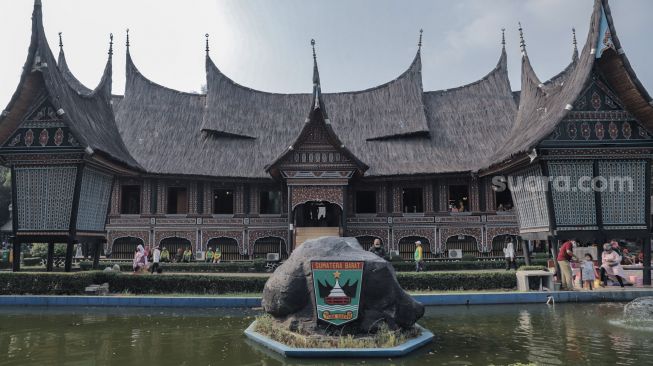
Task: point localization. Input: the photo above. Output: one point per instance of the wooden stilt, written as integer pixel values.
(69, 255)
(96, 254)
(646, 247)
(16, 255)
(50, 259)
(526, 251)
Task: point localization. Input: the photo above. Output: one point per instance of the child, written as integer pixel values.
(587, 271)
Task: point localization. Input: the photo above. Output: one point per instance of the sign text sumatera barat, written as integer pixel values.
(337, 288)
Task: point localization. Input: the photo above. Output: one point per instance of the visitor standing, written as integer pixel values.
(565, 256)
(140, 260)
(419, 258)
(156, 258)
(378, 249)
(509, 254)
(587, 271)
(611, 265)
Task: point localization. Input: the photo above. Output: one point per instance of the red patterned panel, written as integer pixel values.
(233, 234)
(475, 232)
(254, 235)
(428, 233)
(380, 233)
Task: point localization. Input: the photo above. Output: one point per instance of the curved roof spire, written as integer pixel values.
(419, 44)
(317, 88)
(207, 44)
(503, 38)
(574, 55)
(60, 42)
(522, 43)
(127, 39)
(110, 44)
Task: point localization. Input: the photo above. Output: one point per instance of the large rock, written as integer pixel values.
(639, 310)
(288, 294)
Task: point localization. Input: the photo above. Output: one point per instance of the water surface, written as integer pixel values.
(565, 334)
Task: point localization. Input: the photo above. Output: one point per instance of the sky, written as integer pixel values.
(265, 44)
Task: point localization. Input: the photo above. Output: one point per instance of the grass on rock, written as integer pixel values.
(383, 338)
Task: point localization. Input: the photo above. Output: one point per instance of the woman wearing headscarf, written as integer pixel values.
(611, 265)
(140, 259)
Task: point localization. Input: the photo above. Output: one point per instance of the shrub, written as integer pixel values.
(444, 281)
(30, 262)
(469, 258)
(533, 268)
(197, 267)
(40, 250)
(74, 283)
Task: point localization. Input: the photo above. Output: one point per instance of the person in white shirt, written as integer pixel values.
(509, 254)
(156, 258)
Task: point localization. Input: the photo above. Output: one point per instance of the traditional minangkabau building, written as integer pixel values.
(254, 172)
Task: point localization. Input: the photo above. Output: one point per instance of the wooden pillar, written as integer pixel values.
(345, 209)
(526, 250)
(96, 254)
(16, 255)
(50, 261)
(646, 248)
(554, 251)
(291, 224)
(69, 254)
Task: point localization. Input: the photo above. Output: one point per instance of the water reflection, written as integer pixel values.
(564, 334)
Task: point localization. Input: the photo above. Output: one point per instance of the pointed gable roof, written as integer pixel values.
(318, 118)
(88, 113)
(543, 106)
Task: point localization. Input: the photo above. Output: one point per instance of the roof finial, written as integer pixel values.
(503, 37)
(207, 43)
(110, 44)
(522, 43)
(419, 44)
(313, 45)
(60, 41)
(127, 42)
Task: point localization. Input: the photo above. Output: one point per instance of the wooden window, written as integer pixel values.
(130, 200)
(365, 202)
(270, 202)
(412, 199)
(177, 200)
(223, 202)
(458, 198)
(503, 200)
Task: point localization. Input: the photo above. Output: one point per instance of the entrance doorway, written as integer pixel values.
(317, 214)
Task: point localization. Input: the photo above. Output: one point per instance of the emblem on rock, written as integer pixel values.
(337, 289)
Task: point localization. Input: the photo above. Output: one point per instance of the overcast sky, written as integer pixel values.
(265, 44)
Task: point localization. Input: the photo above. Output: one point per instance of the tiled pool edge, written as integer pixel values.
(401, 350)
(248, 302)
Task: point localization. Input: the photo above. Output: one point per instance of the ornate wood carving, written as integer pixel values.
(254, 235)
(237, 235)
(428, 233)
(303, 194)
(383, 234)
(112, 235)
(475, 232)
(190, 235)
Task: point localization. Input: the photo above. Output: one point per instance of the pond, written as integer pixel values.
(564, 334)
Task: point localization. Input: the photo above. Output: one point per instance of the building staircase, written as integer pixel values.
(305, 233)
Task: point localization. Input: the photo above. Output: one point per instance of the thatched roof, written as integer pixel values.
(88, 113)
(543, 105)
(395, 128)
